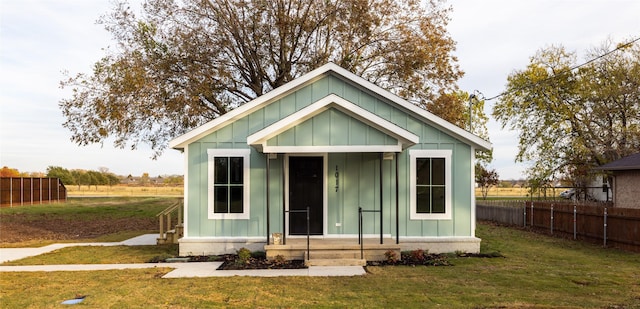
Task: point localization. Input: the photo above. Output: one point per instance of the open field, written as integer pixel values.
(80, 220)
(177, 191)
(123, 190)
(517, 193)
(537, 271)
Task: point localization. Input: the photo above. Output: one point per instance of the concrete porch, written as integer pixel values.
(333, 251)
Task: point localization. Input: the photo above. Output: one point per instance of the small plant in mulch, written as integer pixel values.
(391, 256)
(245, 259)
(243, 256)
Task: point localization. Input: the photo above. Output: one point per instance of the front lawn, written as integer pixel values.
(537, 271)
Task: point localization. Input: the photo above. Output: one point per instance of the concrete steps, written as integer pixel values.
(335, 262)
(332, 252)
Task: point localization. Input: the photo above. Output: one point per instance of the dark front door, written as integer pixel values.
(305, 190)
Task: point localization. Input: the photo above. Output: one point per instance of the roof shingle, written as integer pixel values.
(631, 162)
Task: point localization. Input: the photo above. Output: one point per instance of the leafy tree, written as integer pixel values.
(79, 178)
(145, 179)
(62, 173)
(183, 63)
(486, 179)
(9, 172)
(573, 118)
(111, 179)
(174, 180)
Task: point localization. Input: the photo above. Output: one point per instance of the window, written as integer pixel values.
(228, 183)
(430, 172)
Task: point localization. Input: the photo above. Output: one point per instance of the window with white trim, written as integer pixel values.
(430, 184)
(228, 183)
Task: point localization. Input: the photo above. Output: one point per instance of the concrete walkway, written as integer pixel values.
(181, 270)
(12, 254)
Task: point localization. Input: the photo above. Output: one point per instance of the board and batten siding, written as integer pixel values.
(359, 173)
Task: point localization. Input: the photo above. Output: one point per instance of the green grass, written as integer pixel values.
(88, 208)
(537, 271)
(99, 255)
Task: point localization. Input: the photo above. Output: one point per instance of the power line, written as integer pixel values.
(619, 47)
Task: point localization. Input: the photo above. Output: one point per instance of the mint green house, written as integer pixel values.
(324, 146)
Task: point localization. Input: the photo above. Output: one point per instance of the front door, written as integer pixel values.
(305, 190)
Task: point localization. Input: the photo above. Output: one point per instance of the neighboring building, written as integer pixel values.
(626, 181)
(333, 142)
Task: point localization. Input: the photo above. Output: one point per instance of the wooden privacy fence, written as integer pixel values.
(16, 191)
(611, 226)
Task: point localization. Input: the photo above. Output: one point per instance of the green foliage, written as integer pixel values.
(183, 63)
(258, 254)
(244, 255)
(572, 120)
(83, 177)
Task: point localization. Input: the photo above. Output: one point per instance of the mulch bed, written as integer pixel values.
(409, 258)
(421, 258)
(232, 262)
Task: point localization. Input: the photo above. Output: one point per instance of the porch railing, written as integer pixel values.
(165, 216)
(308, 228)
(360, 237)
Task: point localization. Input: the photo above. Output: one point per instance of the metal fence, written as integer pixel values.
(17, 191)
(610, 226)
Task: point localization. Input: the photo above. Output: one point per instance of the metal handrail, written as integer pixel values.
(308, 228)
(360, 237)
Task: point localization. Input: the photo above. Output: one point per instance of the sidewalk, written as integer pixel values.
(181, 270)
(12, 254)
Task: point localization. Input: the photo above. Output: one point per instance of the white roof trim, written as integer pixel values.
(405, 138)
(182, 141)
(331, 149)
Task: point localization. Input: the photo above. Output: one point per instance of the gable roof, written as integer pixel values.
(182, 141)
(631, 162)
(405, 138)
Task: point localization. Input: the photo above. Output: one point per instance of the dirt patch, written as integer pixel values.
(18, 228)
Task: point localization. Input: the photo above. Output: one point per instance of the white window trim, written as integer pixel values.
(431, 153)
(245, 154)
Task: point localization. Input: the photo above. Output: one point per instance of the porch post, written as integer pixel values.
(266, 155)
(381, 202)
(284, 211)
(397, 203)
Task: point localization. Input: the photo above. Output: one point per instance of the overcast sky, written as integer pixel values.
(41, 38)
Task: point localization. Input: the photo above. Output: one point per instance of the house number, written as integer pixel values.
(337, 179)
